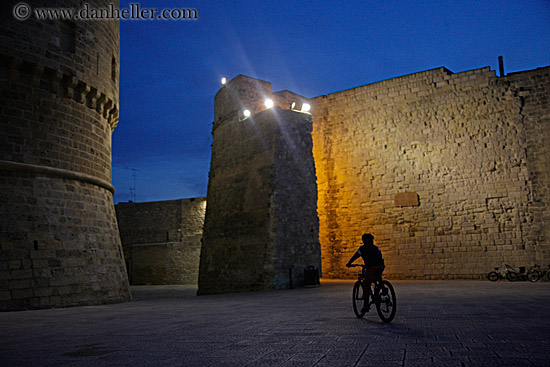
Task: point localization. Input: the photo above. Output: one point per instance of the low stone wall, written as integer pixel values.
(162, 240)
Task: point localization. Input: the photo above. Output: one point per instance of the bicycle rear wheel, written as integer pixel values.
(534, 275)
(387, 302)
(359, 298)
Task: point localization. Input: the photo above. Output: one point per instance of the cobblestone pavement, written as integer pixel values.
(438, 323)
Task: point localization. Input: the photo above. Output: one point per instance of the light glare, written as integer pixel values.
(268, 103)
(224, 80)
(246, 113)
(306, 107)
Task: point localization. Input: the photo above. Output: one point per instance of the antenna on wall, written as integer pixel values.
(133, 190)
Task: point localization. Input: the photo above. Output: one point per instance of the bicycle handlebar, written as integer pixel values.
(356, 265)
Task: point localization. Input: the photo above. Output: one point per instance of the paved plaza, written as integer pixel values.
(438, 323)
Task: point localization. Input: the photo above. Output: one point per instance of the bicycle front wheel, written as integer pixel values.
(387, 302)
(534, 275)
(359, 298)
(492, 276)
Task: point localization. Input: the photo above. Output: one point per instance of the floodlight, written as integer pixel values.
(306, 107)
(246, 113)
(268, 103)
(224, 80)
(293, 105)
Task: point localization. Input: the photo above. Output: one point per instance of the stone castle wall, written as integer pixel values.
(162, 240)
(261, 224)
(59, 95)
(450, 172)
(533, 87)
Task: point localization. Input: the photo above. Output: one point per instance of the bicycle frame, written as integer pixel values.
(380, 293)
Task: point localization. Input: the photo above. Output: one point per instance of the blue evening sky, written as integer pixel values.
(170, 70)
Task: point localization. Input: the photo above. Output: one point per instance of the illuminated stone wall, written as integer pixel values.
(261, 226)
(59, 239)
(162, 240)
(450, 172)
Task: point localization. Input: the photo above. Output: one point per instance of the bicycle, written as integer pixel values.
(380, 293)
(516, 274)
(536, 273)
(509, 274)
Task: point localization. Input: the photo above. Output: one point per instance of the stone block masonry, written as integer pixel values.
(450, 172)
(261, 225)
(162, 240)
(533, 88)
(59, 239)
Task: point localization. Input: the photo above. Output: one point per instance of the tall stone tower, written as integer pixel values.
(261, 226)
(59, 239)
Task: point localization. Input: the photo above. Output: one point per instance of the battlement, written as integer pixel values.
(63, 84)
(244, 93)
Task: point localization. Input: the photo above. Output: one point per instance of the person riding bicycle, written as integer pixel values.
(383, 294)
(372, 257)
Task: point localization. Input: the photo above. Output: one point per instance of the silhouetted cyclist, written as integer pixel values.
(372, 257)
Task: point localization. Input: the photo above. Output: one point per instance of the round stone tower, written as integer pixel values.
(59, 238)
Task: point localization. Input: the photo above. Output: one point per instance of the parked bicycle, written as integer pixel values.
(536, 273)
(380, 293)
(517, 274)
(509, 273)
